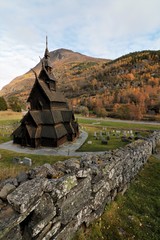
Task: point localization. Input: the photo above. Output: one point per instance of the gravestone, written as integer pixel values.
(27, 161)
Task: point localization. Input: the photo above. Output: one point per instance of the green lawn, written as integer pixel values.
(92, 144)
(117, 125)
(96, 145)
(136, 215)
(10, 169)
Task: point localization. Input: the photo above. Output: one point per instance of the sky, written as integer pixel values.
(97, 28)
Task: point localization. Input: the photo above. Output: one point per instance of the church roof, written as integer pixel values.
(50, 116)
(31, 131)
(52, 95)
(41, 117)
(18, 132)
(49, 75)
(60, 130)
(48, 132)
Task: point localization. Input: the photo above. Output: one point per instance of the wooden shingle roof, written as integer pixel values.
(18, 132)
(60, 130)
(52, 95)
(31, 131)
(57, 116)
(48, 132)
(47, 116)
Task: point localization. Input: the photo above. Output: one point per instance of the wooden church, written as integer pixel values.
(49, 121)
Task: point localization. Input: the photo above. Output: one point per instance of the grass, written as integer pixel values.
(9, 115)
(9, 121)
(135, 215)
(10, 169)
(118, 125)
(113, 143)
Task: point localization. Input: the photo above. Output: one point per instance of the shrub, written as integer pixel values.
(14, 104)
(3, 104)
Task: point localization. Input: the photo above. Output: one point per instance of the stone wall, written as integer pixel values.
(51, 202)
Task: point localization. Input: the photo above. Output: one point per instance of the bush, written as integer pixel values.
(15, 104)
(127, 111)
(3, 104)
(100, 112)
(82, 109)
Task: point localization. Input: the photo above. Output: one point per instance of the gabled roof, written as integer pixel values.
(31, 131)
(40, 117)
(50, 116)
(49, 76)
(48, 132)
(54, 132)
(53, 96)
(57, 116)
(18, 132)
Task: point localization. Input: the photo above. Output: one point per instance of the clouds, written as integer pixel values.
(102, 28)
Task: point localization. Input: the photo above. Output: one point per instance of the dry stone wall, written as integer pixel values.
(52, 202)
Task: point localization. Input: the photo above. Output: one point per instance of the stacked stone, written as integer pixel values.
(52, 202)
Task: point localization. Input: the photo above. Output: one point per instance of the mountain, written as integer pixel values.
(127, 87)
(70, 68)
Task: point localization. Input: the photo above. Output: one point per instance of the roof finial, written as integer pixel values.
(46, 42)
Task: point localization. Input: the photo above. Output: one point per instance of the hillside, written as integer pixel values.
(127, 87)
(69, 67)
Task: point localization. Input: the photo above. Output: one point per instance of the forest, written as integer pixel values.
(127, 88)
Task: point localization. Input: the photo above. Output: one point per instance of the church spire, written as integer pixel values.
(46, 41)
(47, 62)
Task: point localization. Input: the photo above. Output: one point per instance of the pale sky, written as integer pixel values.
(98, 28)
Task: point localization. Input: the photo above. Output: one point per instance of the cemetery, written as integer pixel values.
(103, 139)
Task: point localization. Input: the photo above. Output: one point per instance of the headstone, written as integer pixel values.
(16, 160)
(27, 161)
(100, 133)
(104, 141)
(125, 133)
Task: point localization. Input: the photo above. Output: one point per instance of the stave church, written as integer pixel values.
(49, 121)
